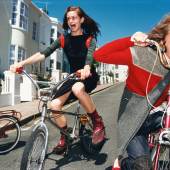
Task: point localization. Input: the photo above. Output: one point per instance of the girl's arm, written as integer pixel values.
(37, 57)
(49, 50)
(91, 49)
(115, 52)
(86, 71)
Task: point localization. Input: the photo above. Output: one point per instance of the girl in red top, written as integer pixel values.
(144, 73)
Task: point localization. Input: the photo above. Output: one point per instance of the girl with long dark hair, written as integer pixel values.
(78, 43)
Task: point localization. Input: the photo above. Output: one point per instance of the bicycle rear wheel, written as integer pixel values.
(10, 133)
(85, 134)
(35, 150)
(163, 162)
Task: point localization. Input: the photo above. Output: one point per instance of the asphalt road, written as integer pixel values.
(107, 102)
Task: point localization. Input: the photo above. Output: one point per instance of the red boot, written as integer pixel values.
(61, 147)
(98, 130)
(116, 165)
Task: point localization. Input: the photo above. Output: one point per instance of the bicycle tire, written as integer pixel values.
(163, 158)
(35, 150)
(85, 134)
(10, 133)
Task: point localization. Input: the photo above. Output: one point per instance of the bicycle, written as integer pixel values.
(10, 131)
(159, 142)
(36, 147)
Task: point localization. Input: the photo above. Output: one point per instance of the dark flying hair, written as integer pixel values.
(89, 26)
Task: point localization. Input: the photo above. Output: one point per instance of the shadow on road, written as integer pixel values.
(20, 144)
(75, 154)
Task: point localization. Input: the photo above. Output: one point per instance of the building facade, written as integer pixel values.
(120, 73)
(26, 29)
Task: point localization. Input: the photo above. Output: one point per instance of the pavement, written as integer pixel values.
(27, 110)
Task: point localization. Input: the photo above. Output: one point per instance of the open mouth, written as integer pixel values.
(73, 26)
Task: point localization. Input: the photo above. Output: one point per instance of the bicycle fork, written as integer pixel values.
(41, 123)
(73, 133)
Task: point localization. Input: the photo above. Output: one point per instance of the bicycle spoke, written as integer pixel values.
(164, 160)
(37, 150)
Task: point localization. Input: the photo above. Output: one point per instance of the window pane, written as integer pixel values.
(12, 54)
(21, 54)
(23, 16)
(14, 11)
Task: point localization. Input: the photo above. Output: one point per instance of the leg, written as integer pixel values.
(138, 155)
(60, 120)
(87, 103)
(138, 149)
(57, 105)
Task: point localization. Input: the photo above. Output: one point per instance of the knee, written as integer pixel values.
(78, 89)
(143, 162)
(56, 105)
(139, 163)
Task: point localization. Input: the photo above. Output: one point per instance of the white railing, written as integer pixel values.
(10, 94)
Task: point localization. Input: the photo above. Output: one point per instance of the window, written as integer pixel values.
(117, 75)
(34, 31)
(116, 66)
(14, 12)
(51, 40)
(21, 54)
(23, 16)
(58, 65)
(19, 14)
(52, 32)
(52, 64)
(12, 54)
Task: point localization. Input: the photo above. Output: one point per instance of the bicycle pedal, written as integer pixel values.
(84, 118)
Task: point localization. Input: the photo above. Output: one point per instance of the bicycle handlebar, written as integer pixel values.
(151, 42)
(74, 76)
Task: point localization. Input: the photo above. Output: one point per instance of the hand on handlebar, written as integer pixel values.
(83, 73)
(140, 39)
(16, 68)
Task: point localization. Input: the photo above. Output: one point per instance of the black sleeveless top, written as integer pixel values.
(76, 51)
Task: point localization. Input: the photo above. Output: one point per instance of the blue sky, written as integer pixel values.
(117, 18)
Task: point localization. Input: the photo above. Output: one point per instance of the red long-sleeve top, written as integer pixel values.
(118, 52)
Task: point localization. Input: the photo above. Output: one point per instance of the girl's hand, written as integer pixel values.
(14, 67)
(85, 72)
(139, 39)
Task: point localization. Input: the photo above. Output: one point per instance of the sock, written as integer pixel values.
(63, 129)
(94, 115)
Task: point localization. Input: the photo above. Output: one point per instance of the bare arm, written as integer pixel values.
(37, 57)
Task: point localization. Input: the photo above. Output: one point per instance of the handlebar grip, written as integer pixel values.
(151, 42)
(19, 70)
(78, 74)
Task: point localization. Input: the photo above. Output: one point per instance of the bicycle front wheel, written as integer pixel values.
(35, 150)
(163, 162)
(10, 133)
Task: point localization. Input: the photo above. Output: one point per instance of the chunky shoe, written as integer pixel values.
(61, 147)
(116, 165)
(98, 131)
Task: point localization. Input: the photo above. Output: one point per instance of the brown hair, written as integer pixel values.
(159, 32)
(89, 26)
